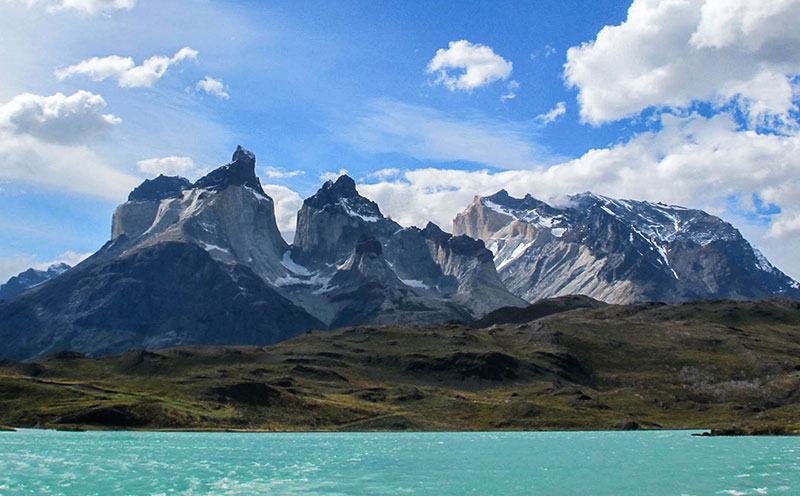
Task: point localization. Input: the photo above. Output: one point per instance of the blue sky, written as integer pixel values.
(693, 103)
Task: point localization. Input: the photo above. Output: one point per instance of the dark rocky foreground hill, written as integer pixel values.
(715, 364)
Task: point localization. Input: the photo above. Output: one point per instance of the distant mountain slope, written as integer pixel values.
(187, 263)
(29, 279)
(167, 294)
(618, 250)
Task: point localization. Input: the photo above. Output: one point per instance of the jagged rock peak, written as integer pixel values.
(240, 171)
(342, 194)
(460, 245)
(160, 188)
(504, 199)
(343, 187)
(242, 154)
(434, 233)
(58, 267)
(333, 191)
(499, 196)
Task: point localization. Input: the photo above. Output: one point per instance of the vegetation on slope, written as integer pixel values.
(732, 366)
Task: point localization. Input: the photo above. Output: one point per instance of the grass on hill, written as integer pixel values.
(717, 364)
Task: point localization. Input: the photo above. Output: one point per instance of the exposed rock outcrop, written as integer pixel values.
(331, 222)
(225, 212)
(618, 251)
(447, 277)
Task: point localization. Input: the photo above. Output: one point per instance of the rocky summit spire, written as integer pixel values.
(240, 171)
(331, 192)
(160, 188)
(331, 222)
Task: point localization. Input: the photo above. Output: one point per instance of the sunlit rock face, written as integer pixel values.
(618, 251)
(225, 212)
(447, 277)
(187, 264)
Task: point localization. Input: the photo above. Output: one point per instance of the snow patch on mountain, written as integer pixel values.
(761, 261)
(293, 266)
(618, 250)
(209, 247)
(354, 208)
(518, 252)
(412, 283)
(258, 194)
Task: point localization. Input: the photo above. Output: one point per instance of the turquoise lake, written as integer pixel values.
(592, 463)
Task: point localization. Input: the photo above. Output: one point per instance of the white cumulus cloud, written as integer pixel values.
(384, 174)
(57, 118)
(332, 176)
(169, 166)
(693, 161)
(465, 66)
(674, 52)
(125, 70)
(43, 140)
(213, 87)
(287, 203)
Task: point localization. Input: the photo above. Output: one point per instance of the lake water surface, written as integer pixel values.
(593, 463)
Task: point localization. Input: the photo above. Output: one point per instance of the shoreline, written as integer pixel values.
(695, 432)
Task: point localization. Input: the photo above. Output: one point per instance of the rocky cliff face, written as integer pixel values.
(204, 263)
(366, 289)
(457, 266)
(187, 263)
(448, 278)
(331, 222)
(225, 212)
(29, 279)
(618, 251)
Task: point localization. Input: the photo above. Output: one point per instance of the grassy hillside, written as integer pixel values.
(712, 364)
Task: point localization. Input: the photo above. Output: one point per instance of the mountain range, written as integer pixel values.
(30, 278)
(618, 251)
(205, 263)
